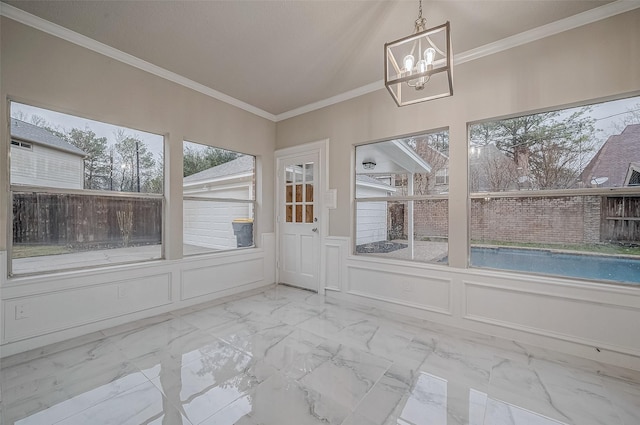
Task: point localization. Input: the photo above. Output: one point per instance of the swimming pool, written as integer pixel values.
(595, 267)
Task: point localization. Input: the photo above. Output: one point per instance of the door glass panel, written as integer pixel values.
(289, 213)
(289, 174)
(289, 193)
(298, 213)
(309, 193)
(308, 174)
(298, 173)
(298, 193)
(309, 214)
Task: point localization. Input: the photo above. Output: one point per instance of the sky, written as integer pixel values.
(606, 115)
(65, 122)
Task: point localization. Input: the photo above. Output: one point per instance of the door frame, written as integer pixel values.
(321, 148)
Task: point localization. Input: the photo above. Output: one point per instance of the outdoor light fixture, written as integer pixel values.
(368, 164)
(418, 67)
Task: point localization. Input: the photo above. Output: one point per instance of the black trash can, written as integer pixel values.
(243, 229)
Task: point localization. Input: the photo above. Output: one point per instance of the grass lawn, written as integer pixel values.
(25, 251)
(596, 248)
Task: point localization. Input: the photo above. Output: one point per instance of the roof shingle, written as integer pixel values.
(38, 135)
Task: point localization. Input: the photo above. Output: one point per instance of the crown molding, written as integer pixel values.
(360, 91)
(56, 30)
(584, 18)
(590, 16)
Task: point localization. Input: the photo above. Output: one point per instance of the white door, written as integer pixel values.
(298, 209)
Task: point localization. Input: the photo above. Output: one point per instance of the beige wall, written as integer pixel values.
(45, 71)
(598, 61)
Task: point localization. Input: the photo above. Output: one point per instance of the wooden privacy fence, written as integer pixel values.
(85, 220)
(620, 219)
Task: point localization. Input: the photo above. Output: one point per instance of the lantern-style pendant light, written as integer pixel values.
(418, 67)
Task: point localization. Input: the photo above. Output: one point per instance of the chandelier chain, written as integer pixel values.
(421, 23)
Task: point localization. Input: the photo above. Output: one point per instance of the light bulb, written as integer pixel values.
(422, 66)
(429, 55)
(408, 63)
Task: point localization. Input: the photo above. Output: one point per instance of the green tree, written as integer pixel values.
(96, 165)
(196, 160)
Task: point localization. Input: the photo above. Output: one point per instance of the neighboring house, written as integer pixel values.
(208, 223)
(436, 181)
(40, 158)
(385, 163)
(372, 216)
(615, 162)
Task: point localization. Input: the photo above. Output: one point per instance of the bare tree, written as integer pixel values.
(631, 116)
(547, 149)
(136, 162)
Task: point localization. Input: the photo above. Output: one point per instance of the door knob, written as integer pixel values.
(315, 229)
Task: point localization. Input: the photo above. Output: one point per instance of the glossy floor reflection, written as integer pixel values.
(287, 356)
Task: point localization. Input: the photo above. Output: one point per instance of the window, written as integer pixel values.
(85, 194)
(219, 199)
(21, 144)
(554, 193)
(402, 208)
(442, 176)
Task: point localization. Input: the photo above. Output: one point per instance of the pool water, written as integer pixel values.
(595, 267)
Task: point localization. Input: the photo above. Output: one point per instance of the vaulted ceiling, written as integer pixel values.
(282, 55)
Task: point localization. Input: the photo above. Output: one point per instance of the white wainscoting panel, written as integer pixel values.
(592, 322)
(589, 319)
(38, 314)
(204, 280)
(406, 288)
(335, 249)
(45, 309)
(269, 248)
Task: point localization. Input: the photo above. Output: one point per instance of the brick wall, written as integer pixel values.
(574, 219)
(431, 218)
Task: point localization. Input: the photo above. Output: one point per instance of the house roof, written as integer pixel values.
(41, 136)
(390, 157)
(613, 159)
(240, 165)
(372, 182)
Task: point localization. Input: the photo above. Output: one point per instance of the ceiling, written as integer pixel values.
(282, 55)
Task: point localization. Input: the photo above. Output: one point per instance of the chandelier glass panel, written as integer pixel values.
(418, 67)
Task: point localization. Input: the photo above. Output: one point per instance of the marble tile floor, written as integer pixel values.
(287, 356)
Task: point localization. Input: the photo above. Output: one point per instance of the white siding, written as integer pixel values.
(42, 166)
(208, 223)
(371, 217)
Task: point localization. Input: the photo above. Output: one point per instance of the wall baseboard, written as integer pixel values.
(584, 319)
(37, 311)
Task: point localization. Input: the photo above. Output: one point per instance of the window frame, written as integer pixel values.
(15, 187)
(399, 199)
(253, 202)
(604, 192)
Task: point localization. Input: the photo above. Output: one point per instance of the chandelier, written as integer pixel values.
(418, 67)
